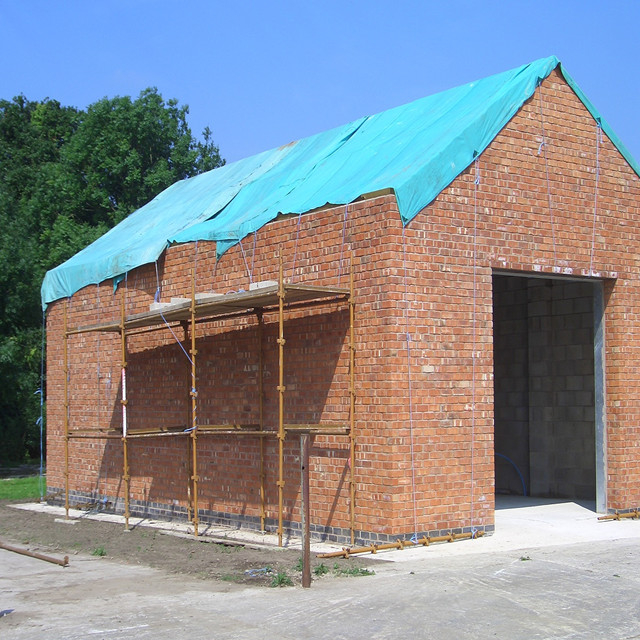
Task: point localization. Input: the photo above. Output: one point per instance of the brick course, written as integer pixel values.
(424, 460)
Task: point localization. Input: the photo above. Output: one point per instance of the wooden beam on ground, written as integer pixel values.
(35, 554)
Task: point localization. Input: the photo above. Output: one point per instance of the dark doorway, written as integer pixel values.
(545, 388)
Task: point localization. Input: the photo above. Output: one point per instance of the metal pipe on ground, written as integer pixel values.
(618, 516)
(425, 541)
(35, 554)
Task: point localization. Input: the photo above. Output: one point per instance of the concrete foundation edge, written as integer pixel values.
(162, 511)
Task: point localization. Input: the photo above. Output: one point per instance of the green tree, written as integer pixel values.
(66, 177)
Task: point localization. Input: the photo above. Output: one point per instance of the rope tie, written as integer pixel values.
(595, 195)
(126, 289)
(40, 420)
(178, 341)
(246, 264)
(98, 346)
(476, 183)
(344, 236)
(541, 148)
(195, 264)
(295, 248)
(409, 382)
(99, 390)
(253, 254)
(157, 299)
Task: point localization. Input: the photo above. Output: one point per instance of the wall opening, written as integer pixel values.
(548, 431)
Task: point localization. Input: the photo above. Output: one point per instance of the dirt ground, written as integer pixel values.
(239, 564)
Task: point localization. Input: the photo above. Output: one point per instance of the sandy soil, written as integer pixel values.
(156, 548)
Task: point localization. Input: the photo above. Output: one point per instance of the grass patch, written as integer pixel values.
(232, 577)
(99, 551)
(20, 488)
(352, 572)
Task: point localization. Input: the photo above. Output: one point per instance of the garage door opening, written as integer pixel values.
(548, 388)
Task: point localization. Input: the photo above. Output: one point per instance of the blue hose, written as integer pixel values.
(515, 466)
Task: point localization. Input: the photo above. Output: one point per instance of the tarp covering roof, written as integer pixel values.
(416, 150)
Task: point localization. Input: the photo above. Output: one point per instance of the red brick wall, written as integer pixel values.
(503, 222)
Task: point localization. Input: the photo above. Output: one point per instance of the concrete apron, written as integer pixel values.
(527, 523)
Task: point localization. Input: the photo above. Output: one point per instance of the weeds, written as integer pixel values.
(281, 579)
(100, 552)
(232, 577)
(352, 572)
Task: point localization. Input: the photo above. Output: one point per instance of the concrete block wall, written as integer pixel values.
(544, 387)
(561, 393)
(511, 384)
(424, 459)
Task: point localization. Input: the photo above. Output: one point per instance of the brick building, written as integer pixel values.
(437, 347)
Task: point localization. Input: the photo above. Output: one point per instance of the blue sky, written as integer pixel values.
(261, 74)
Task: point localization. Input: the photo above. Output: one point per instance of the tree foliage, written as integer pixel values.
(66, 177)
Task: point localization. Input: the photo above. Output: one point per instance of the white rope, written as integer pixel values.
(476, 182)
(409, 385)
(68, 403)
(543, 147)
(40, 420)
(295, 248)
(157, 299)
(246, 264)
(99, 395)
(98, 348)
(344, 236)
(193, 377)
(195, 265)
(253, 254)
(595, 196)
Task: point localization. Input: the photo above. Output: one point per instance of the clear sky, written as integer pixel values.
(264, 73)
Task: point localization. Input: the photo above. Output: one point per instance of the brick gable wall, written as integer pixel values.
(443, 447)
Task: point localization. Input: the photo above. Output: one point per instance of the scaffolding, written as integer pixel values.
(279, 298)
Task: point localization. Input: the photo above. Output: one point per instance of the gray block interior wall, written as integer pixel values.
(544, 387)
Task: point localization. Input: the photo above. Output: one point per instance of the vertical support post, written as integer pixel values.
(352, 403)
(186, 346)
(281, 390)
(600, 397)
(65, 366)
(261, 415)
(305, 510)
(194, 417)
(125, 452)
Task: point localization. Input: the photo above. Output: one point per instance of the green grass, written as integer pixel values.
(20, 488)
(232, 577)
(100, 552)
(281, 579)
